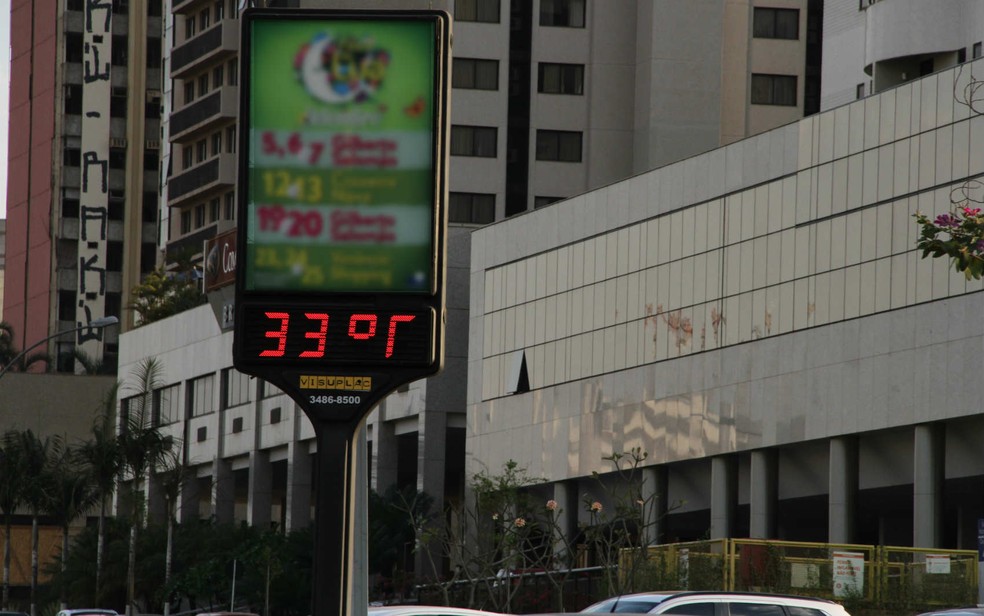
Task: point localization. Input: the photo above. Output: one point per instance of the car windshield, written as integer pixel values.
(626, 605)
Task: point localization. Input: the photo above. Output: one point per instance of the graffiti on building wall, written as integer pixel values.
(94, 206)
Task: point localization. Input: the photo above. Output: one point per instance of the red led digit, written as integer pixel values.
(280, 335)
(319, 335)
(391, 335)
(353, 324)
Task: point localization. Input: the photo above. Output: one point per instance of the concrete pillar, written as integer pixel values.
(842, 489)
(384, 453)
(763, 493)
(298, 514)
(927, 486)
(724, 496)
(260, 492)
(654, 496)
(431, 453)
(188, 499)
(223, 491)
(565, 516)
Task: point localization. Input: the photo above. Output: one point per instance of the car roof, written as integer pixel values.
(631, 602)
(425, 610)
(94, 611)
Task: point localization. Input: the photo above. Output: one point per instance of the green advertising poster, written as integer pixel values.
(341, 180)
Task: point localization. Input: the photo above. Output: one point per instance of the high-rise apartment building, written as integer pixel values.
(83, 169)
(874, 45)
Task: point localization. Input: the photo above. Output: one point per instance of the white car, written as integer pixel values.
(426, 610)
(718, 603)
(88, 612)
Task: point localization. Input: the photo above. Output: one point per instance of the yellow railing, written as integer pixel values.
(895, 577)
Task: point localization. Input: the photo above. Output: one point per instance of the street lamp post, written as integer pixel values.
(94, 324)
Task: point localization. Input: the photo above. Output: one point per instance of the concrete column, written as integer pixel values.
(156, 501)
(842, 489)
(724, 496)
(384, 453)
(260, 493)
(223, 491)
(431, 450)
(298, 514)
(654, 496)
(188, 499)
(565, 493)
(927, 486)
(763, 492)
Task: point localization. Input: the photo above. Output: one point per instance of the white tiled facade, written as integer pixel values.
(763, 297)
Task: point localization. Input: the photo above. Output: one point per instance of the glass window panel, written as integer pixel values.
(760, 256)
(883, 284)
(687, 233)
(837, 290)
(732, 272)
(700, 228)
(773, 258)
(788, 255)
(786, 307)
(712, 284)
(868, 288)
(744, 318)
(839, 230)
(746, 266)
(821, 300)
(697, 280)
(758, 316)
(852, 245)
(802, 307)
(824, 190)
(852, 292)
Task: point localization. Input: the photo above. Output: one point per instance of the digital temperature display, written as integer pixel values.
(336, 336)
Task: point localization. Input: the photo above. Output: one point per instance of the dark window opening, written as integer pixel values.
(774, 90)
(471, 208)
(560, 78)
(776, 23)
(558, 145)
(562, 13)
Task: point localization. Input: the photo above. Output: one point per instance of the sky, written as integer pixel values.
(4, 99)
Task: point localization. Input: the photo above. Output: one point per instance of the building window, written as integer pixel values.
(560, 78)
(542, 201)
(473, 141)
(73, 99)
(66, 305)
(117, 106)
(153, 52)
(203, 19)
(219, 10)
(187, 156)
(74, 45)
(233, 72)
(218, 76)
(185, 222)
(199, 215)
(486, 11)
(859, 92)
(976, 50)
(201, 395)
(230, 206)
(558, 145)
(189, 91)
(562, 13)
(151, 160)
(475, 74)
(167, 405)
(119, 53)
(201, 150)
(776, 23)
(216, 144)
(213, 209)
(202, 84)
(471, 208)
(774, 90)
(235, 388)
(231, 139)
(72, 157)
(189, 26)
(121, 7)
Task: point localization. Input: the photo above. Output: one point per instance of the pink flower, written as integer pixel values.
(972, 211)
(520, 522)
(552, 505)
(596, 507)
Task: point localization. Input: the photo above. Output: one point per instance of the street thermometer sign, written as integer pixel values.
(343, 148)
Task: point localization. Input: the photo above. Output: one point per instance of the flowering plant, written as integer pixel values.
(958, 235)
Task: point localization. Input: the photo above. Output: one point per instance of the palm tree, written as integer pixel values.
(8, 351)
(12, 485)
(171, 479)
(144, 448)
(104, 459)
(35, 454)
(72, 493)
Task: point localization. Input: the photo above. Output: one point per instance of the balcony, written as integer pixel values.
(219, 42)
(213, 175)
(219, 105)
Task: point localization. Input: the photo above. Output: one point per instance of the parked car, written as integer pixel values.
(959, 611)
(13, 613)
(89, 611)
(718, 603)
(426, 610)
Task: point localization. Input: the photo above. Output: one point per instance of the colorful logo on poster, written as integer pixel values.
(341, 70)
